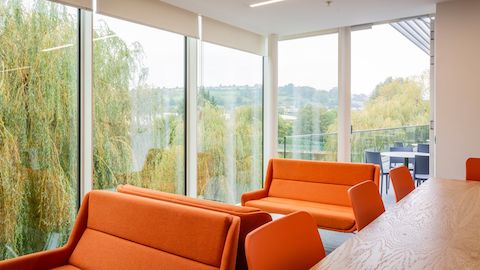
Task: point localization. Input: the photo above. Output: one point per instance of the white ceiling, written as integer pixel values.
(302, 16)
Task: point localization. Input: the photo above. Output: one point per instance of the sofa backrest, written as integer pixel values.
(131, 232)
(317, 181)
(250, 218)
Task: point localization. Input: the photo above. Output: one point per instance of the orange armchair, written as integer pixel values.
(123, 232)
(473, 169)
(402, 182)
(291, 242)
(366, 202)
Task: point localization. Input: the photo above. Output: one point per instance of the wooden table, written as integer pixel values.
(437, 226)
(405, 155)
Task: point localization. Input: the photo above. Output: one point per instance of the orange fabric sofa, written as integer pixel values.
(250, 218)
(319, 188)
(125, 232)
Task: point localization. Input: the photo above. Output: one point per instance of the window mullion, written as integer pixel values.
(86, 102)
(191, 113)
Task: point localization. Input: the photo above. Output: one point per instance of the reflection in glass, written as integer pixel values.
(308, 98)
(229, 131)
(139, 106)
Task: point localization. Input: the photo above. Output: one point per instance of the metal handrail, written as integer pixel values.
(385, 129)
(320, 138)
(313, 134)
(354, 131)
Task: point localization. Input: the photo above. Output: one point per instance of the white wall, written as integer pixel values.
(457, 97)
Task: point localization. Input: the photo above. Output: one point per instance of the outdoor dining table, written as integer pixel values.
(434, 227)
(405, 155)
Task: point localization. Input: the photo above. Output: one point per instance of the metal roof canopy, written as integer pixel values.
(416, 30)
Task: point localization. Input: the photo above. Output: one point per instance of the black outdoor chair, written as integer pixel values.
(421, 170)
(423, 148)
(398, 144)
(376, 158)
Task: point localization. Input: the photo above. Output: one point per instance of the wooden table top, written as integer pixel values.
(437, 226)
(404, 154)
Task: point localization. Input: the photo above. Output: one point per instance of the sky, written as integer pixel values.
(377, 54)
(164, 57)
(163, 51)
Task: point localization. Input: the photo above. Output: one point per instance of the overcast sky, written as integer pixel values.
(377, 53)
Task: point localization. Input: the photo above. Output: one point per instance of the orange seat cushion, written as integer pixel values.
(327, 216)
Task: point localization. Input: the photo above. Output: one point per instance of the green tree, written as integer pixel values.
(285, 128)
(394, 103)
(114, 65)
(313, 120)
(38, 124)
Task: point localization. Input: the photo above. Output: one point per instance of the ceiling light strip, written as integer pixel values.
(265, 3)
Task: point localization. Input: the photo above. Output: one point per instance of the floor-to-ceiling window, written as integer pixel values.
(308, 97)
(390, 88)
(229, 131)
(139, 106)
(38, 125)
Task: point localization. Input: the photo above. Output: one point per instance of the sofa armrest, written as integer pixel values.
(254, 195)
(43, 260)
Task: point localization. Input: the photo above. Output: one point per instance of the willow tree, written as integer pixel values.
(248, 149)
(229, 160)
(39, 121)
(396, 102)
(115, 64)
(38, 124)
(130, 116)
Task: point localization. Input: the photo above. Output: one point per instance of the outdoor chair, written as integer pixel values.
(376, 158)
(421, 170)
(423, 148)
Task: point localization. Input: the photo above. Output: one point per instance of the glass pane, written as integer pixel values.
(38, 125)
(390, 91)
(139, 99)
(308, 98)
(229, 131)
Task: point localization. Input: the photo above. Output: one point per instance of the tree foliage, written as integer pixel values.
(394, 103)
(38, 124)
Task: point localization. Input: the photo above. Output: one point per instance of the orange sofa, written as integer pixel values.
(250, 218)
(125, 232)
(319, 188)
